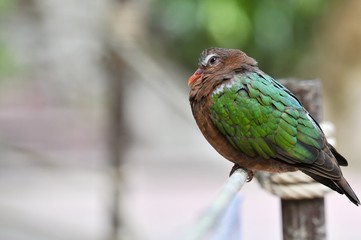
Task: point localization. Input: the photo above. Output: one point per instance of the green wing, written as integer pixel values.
(260, 117)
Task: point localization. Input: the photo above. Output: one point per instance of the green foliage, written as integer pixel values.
(5, 5)
(6, 62)
(227, 27)
(276, 33)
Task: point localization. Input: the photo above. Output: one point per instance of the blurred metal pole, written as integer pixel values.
(305, 218)
(116, 135)
(216, 210)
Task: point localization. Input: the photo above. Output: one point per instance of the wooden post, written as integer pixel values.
(305, 219)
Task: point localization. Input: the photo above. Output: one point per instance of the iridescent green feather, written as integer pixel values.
(260, 117)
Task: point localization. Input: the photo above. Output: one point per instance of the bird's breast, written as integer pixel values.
(201, 106)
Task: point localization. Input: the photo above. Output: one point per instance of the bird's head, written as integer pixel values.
(218, 61)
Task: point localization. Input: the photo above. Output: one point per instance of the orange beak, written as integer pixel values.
(197, 74)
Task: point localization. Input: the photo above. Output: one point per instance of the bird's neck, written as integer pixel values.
(204, 87)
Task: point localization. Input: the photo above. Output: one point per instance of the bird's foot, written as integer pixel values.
(250, 175)
(234, 168)
(249, 172)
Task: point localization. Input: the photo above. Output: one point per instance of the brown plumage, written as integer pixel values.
(258, 124)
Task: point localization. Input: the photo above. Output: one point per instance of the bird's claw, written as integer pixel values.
(250, 175)
(234, 168)
(249, 172)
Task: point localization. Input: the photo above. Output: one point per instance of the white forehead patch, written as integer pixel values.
(205, 61)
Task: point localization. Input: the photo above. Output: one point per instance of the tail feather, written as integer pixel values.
(341, 186)
(325, 181)
(340, 159)
(346, 188)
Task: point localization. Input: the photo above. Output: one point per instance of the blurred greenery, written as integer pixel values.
(276, 33)
(5, 5)
(7, 66)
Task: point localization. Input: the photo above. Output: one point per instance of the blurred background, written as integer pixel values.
(88, 88)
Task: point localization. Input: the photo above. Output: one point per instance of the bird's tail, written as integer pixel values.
(341, 186)
(346, 189)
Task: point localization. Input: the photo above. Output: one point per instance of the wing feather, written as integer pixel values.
(262, 118)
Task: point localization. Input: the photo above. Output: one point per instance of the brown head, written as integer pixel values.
(220, 61)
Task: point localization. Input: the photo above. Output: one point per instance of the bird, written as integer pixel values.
(258, 124)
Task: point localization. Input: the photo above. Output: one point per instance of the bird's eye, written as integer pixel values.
(212, 61)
